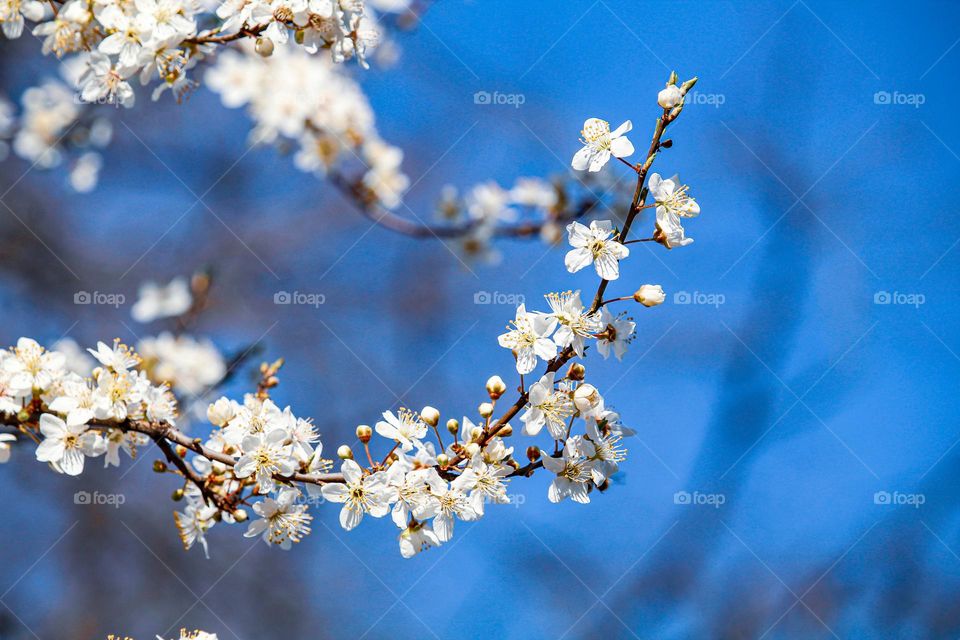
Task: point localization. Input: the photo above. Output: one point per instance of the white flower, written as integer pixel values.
(117, 440)
(359, 494)
(12, 13)
(573, 474)
(384, 177)
(670, 97)
(65, 444)
(599, 144)
(534, 192)
(191, 366)
(587, 400)
(124, 39)
(104, 83)
(593, 245)
(163, 20)
(162, 301)
(5, 440)
(282, 521)
(193, 523)
(409, 487)
(603, 452)
(406, 428)
(672, 202)
(453, 502)
(650, 295)
(32, 367)
(573, 325)
(488, 203)
(416, 538)
(616, 334)
(529, 339)
(159, 404)
(483, 482)
(547, 407)
(76, 400)
(265, 455)
(117, 358)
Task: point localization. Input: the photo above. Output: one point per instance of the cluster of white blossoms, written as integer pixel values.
(261, 464)
(51, 128)
(305, 100)
(160, 40)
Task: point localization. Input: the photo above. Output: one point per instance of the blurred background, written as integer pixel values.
(795, 471)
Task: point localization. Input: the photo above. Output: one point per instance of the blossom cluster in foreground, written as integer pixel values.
(263, 465)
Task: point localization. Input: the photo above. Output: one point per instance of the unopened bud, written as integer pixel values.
(264, 47)
(431, 416)
(496, 387)
(453, 426)
(345, 452)
(443, 459)
(181, 450)
(587, 398)
(364, 433)
(240, 515)
(177, 495)
(159, 466)
(670, 97)
(486, 410)
(650, 295)
(576, 371)
(505, 431)
(666, 144)
(533, 454)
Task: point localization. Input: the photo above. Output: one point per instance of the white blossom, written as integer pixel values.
(599, 143)
(529, 339)
(594, 245)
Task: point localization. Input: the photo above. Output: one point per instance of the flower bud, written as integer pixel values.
(496, 387)
(221, 412)
(670, 97)
(587, 398)
(443, 459)
(264, 47)
(533, 454)
(505, 431)
(650, 295)
(431, 416)
(364, 433)
(177, 495)
(576, 371)
(486, 410)
(159, 466)
(240, 515)
(453, 426)
(345, 452)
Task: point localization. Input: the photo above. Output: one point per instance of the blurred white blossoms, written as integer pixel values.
(189, 365)
(157, 301)
(599, 143)
(594, 245)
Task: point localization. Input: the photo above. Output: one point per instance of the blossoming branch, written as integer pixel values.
(261, 460)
